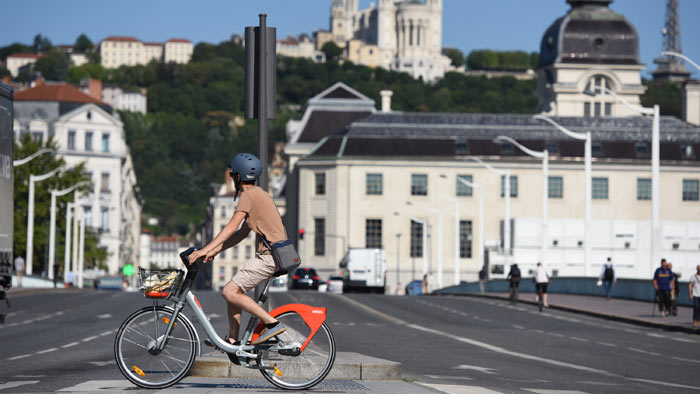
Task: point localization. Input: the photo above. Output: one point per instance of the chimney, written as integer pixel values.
(95, 88)
(386, 100)
(691, 102)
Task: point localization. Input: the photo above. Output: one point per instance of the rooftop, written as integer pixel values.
(62, 93)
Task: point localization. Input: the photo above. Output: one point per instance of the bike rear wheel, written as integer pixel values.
(136, 354)
(308, 368)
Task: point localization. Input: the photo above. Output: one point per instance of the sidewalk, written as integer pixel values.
(630, 311)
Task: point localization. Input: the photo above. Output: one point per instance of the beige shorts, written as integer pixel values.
(255, 271)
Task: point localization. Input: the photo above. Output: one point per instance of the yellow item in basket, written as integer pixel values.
(153, 283)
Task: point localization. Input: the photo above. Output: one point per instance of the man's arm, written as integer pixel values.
(236, 238)
(215, 246)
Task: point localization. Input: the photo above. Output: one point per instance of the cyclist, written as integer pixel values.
(257, 212)
(514, 279)
(541, 281)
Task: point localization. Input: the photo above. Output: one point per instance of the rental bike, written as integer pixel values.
(156, 346)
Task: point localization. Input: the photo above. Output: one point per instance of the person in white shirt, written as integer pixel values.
(541, 281)
(607, 276)
(694, 293)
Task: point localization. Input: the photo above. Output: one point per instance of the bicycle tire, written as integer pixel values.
(149, 368)
(308, 368)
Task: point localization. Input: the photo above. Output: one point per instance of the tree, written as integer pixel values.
(456, 56)
(87, 70)
(4, 72)
(42, 201)
(54, 65)
(13, 48)
(41, 44)
(83, 44)
(668, 95)
(332, 51)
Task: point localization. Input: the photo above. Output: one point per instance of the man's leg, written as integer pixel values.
(237, 301)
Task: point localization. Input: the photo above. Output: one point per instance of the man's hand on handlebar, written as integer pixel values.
(197, 254)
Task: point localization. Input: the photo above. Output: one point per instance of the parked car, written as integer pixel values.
(415, 287)
(110, 283)
(364, 270)
(304, 278)
(335, 285)
(279, 284)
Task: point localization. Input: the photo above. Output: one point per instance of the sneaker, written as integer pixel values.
(270, 332)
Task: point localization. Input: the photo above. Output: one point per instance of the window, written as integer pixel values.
(419, 185)
(507, 147)
(687, 151)
(38, 136)
(373, 233)
(552, 147)
(105, 142)
(87, 211)
(641, 149)
(596, 109)
(416, 239)
(320, 183)
(643, 189)
(373, 184)
(462, 146)
(587, 110)
(222, 273)
(513, 185)
(555, 187)
(462, 189)
(608, 109)
(691, 187)
(71, 140)
(597, 149)
(223, 212)
(235, 252)
(319, 236)
(600, 189)
(88, 141)
(104, 219)
(248, 251)
(104, 183)
(465, 239)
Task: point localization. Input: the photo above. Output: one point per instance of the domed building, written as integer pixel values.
(591, 48)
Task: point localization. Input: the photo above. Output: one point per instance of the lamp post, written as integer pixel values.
(456, 264)
(78, 275)
(424, 240)
(52, 226)
(66, 253)
(682, 56)
(398, 249)
(587, 247)
(506, 192)
(655, 167)
(439, 269)
(481, 217)
(17, 163)
(544, 155)
(30, 214)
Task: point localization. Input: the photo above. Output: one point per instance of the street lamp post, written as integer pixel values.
(424, 240)
(66, 253)
(30, 215)
(456, 263)
(398, 262)
(588, 188)
(78, 276)
(439, 267)
(52, 226)
(506, 221)
(544, 155)
(655, 167)
(682, 56)
(31, 157)
(482, 237)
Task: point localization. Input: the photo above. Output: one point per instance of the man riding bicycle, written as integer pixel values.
(541, 280)
(255, 211)
(514, 279)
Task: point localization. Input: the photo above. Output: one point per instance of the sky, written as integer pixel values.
(467, 24)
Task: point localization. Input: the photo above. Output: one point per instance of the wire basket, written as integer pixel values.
(160, 283)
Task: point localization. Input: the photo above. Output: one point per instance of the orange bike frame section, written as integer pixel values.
(313, 317)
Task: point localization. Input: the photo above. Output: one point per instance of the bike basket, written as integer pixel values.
(160, 283)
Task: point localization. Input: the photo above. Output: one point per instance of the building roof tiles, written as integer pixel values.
(61, 93)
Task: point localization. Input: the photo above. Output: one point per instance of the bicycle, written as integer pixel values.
(514, 293)
(539, 289)
(156, 346)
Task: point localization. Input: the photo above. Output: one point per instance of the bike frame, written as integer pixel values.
(313, 317)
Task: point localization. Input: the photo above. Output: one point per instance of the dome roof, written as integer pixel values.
(590, 33)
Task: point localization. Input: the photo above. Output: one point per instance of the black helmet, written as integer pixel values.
(247, 165)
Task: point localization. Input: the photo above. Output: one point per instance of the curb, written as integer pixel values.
(607, 316)
(347, 366)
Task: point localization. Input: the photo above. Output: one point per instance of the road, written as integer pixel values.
(58, 340)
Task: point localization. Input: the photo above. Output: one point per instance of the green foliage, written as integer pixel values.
(456, 56)
(41, 44)
(83, 44)
(4, 72)
(487, 59)
(332, 51)
(88, 70)
(94, 256)
(54, 65)
(667, 95)
(15, 47)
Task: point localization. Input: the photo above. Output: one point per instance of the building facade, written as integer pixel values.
(118, 51)
(17, 60)
(124, 100)
(86, 131)
(403, 35)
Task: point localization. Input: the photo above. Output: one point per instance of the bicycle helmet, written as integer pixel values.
(247, 165)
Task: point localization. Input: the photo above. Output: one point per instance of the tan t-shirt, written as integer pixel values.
(261, 215)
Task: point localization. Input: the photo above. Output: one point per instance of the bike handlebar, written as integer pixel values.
(191, 268)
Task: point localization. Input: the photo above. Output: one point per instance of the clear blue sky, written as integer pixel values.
(467, 24)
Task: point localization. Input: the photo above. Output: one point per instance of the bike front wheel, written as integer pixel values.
(308, 368)
(136, 353)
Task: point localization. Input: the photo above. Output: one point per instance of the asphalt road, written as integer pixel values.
(58, 340)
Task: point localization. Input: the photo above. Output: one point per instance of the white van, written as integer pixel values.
(364, 270)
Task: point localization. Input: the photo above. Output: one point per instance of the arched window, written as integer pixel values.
(601, 104)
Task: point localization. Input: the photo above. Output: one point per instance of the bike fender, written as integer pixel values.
(313, 317)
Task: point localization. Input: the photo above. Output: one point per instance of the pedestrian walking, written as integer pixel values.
(482, 280)
(663, 285)
(694, 294)
(541, 281)
(676, 290)
(19, 269)
(607, 276)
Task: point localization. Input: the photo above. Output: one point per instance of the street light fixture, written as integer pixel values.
(588, 188)
(52, 226)
(655, 167)
(31, 157)
(544, 155)
(682, 56)
(30, 214)
(506, 195)
(482, 236)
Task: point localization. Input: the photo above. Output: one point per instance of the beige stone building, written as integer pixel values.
(117, 51)
(17, 60)
(177, 50)
(691, 102)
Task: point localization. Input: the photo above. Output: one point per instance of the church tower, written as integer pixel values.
(343, 13)
(591, 48)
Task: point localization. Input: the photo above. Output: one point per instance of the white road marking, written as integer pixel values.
(102, 363)
(683, 340)
(477, 368)
(13, 384)
(643, 351)
(106, 333)
(90, 338)
(664, 383)
(105, 316)
(69, 345)
(453, 389)
(607, 344)
(651, 334)
(486, 320)
(53, 349)
(18, 357)
(554, 334)
(449, 377)
(686, 359)
(544, 391)
(518, 327)
(579, 339)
